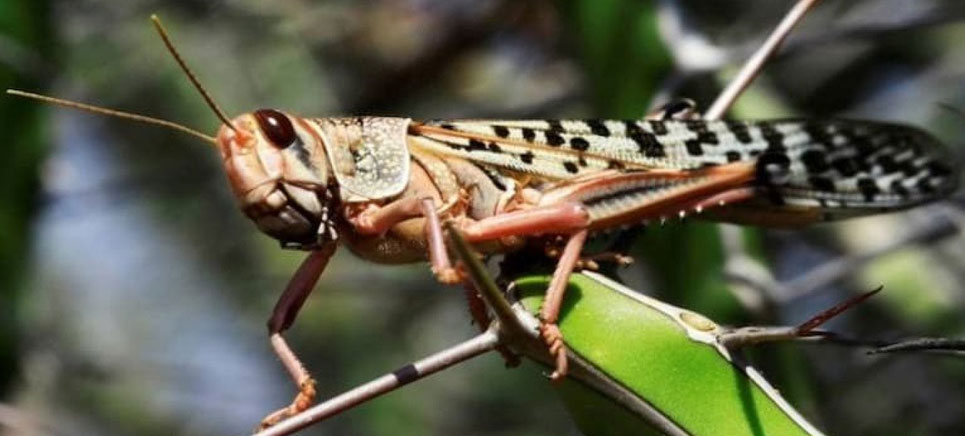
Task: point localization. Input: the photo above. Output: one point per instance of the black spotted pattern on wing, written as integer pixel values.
(815, 161)
(647, 142)
(527, 157)
(855, 167)
(579, 143)
(694, 147)
(842, 167)
(774, 138)
(508, 158)
(740, 131)
(598, 128)
(773, 168)
(554, 139)
(641, 143)
(529, 135)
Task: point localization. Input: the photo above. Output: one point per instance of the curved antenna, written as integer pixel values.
(184, 67)
(112, 113)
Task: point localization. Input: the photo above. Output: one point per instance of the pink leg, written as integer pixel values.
(557, 218)
(438, 254)
(377, 220)
(282, 317)
(554, 300)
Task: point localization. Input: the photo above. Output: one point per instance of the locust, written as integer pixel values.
(383, 186)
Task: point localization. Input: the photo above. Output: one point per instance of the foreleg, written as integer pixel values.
(282, 317)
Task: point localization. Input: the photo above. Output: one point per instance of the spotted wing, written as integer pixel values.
(843, 168)
(560, 149)
(837, 167)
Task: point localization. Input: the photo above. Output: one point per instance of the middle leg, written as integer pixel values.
(550, 312)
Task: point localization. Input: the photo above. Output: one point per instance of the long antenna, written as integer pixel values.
(112, 113)
(184, 67)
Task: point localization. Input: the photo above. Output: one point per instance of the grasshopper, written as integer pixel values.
(382, 186)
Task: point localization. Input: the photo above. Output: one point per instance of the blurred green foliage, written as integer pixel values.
(27, 37)
(621, 53)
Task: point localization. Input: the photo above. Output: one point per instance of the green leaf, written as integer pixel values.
(640, 346)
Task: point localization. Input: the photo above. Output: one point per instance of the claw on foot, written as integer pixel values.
(303, 400)
(619, 259)
(588, 264)
(553, 338)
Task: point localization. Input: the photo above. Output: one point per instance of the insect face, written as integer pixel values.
(278, 171)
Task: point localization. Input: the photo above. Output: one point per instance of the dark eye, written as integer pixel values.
(276, 127)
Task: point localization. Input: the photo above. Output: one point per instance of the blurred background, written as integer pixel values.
(133, 295)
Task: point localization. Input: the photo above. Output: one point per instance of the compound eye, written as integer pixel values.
(276, 126)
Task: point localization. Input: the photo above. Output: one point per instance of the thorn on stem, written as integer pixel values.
(816, 321)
